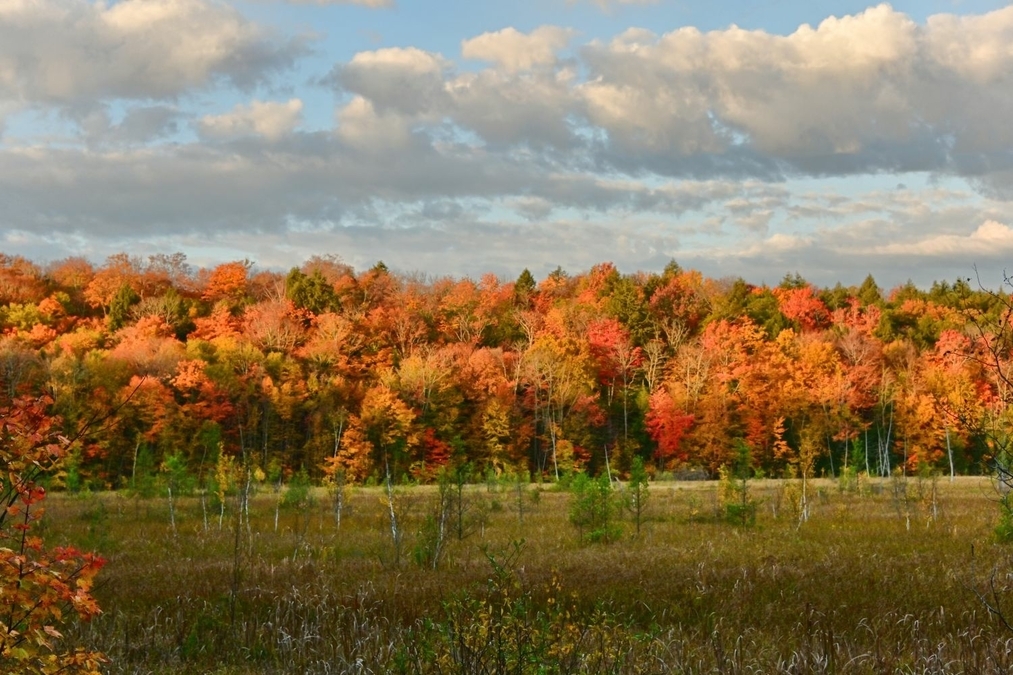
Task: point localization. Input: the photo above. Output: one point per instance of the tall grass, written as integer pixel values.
(877, 580)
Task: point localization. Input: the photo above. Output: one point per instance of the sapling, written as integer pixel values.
(593, 507)
(637, 490)
(432, 537)
(177, 481)
(739, 507)
(396, 512)
(337, 484)
(469, 508)
(520, 488)
(805, 466)
(298, 498)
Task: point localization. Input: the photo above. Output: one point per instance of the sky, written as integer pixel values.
(829, 138)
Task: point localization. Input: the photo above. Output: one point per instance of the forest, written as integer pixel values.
(338, 471)
(327, 371)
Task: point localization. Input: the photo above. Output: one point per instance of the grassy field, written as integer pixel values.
(883, 577)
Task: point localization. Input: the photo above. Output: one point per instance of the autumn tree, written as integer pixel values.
(389, 425)
(38, 586)
(120, 271)
(228, 282)
(20, 280)
(560, 382)
(617, 360)
(312, 292)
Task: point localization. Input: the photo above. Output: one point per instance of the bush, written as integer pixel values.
(593, 509)
(739, 507)
(297, 493)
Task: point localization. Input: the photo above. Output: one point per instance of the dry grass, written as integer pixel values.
(874, 582)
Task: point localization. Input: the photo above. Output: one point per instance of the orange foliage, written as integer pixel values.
(37, 586)
(228, 282)
(803, 307)
(355, 455)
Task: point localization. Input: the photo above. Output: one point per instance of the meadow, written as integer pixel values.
(885, 575)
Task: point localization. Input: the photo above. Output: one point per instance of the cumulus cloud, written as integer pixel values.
(871, 92)
(648, 146)
(989, 239)
(512, 109)
(360, 126)
(138, 124)
(420, 88)
(270, 119)
(515, 51)
(407, 80)
(65, 51)
(859, 93)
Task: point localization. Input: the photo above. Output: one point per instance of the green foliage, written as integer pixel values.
(869, 292)
(468, 509)
(119, 308)
(847, 480)
(626, 303)
(171, 307)
(297, 493)
(637, 491)
(274, 471)
(593, 506)
(793, 282)
(431, 539)
(176, 476)
(524, 288)
(739, 507)
(144, 479)
(837, 297)
(759, 305)
(21, 316)
(311, 292)
(72, 480)
(1004, 527)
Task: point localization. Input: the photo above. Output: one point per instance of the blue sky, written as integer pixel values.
(754, 139)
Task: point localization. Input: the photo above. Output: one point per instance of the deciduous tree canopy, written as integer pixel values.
(328, 369)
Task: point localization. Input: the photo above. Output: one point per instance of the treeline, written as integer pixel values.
(366, 373)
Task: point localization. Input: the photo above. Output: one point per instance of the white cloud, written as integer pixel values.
(510, 109)
(515, 51)
(270, 119)
(989, 239)
(871, 92)
(66, 51)
(409, 80)
(637, 149)
(361, 127)
(874, 90)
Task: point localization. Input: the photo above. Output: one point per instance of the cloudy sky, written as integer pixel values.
(754, 139)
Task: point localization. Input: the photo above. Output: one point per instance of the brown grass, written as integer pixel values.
(874, 582)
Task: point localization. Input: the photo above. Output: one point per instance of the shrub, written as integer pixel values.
(38, 586)
(593, 507)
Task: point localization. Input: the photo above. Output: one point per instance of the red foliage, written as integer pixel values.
(613, 353)
(803, 307)
(668, 425)
(37, 586)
